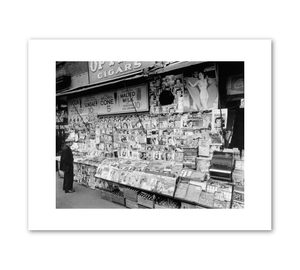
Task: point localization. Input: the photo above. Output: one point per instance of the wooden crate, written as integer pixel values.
(145, 202)
(106, 195)
(143, 207)
(118, 199)
(130, 194)
(131, 204)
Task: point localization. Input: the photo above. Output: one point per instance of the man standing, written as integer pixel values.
(66, 165)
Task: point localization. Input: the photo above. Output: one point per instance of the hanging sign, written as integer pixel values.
(83, 106)
(100, 71)
(124, 100)
(235, 85)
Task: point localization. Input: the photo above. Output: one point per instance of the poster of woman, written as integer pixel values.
(203, 92)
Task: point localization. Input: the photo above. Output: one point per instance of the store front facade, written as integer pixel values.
(159, 134)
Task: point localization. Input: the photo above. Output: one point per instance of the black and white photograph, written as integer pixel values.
(153, 136)
(117, 90)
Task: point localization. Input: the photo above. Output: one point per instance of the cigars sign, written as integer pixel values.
(100, 71)
(115, 102)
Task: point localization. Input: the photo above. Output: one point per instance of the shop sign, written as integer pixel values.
(100, 71)
(114, 102)
(124, 100)
(235, 85)
(84, 105)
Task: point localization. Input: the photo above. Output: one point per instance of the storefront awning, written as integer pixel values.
(79, 89)
(175, 66)
(139, 74)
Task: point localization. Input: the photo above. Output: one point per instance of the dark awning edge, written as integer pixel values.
(97, 85)
(177, 65)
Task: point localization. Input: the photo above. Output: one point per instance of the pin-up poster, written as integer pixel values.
(202, 93)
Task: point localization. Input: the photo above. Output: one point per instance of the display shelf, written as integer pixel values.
(173, 196)
(140, 189)
(194, 203)
(222, 182)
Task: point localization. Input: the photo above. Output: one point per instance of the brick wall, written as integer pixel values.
(77, 70)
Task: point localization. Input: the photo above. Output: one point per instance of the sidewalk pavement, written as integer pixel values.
(83, 197)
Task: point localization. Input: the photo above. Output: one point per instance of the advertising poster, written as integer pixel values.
(235, 85)
(124, 100)
(117, 102)
(203, 94)
(84, 105)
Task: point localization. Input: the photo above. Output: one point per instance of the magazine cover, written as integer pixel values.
(163, 122)
(203, 165)
(219, 121)
(154, 124)
(176, 169)
(221, 204)
(177, 122)
(238, 196)
(190, 152)
(111, 172)
(154, 140)
(182, 189)
(203, 148)
(105, 171)
(198, 176)
(123, 177)
(145, 182)
(156, 155)
(178, 156)
(206, 199)
(194, 142)
(135, 179)
(216, 138)
(166, 185)
(237, 205)
(115, 175)
(99, 171)
(141, 178)
(131, 179)
(152, 182)
(193, 193)
(221, 191)
(169, 156)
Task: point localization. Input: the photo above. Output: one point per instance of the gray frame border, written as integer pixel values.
(163, 233)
